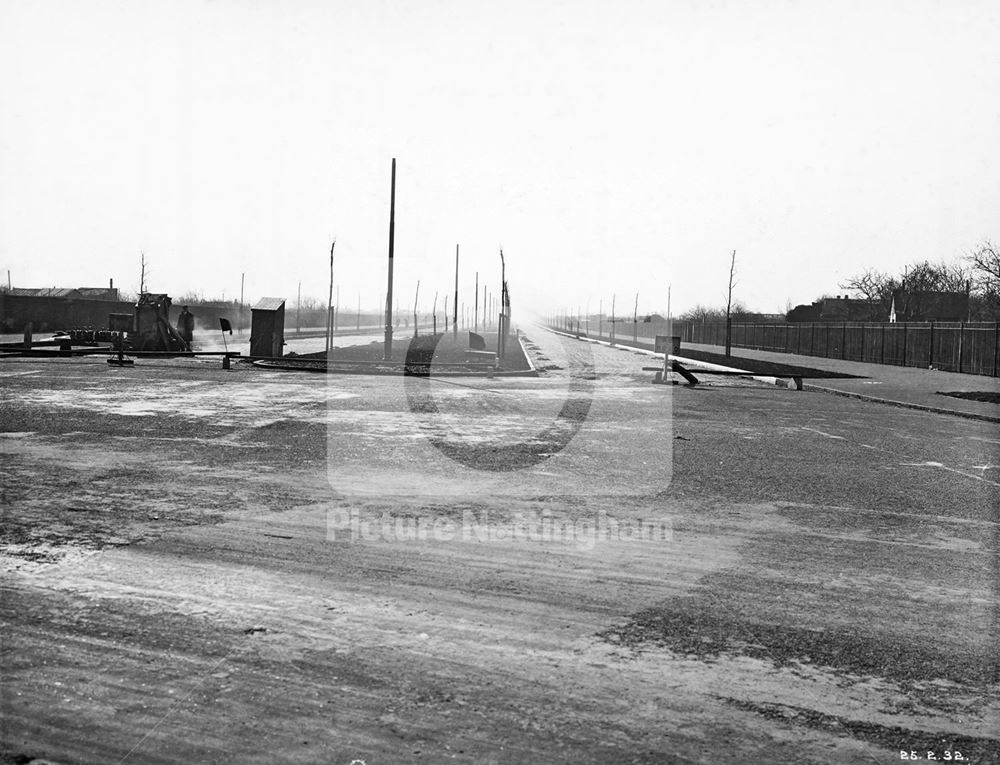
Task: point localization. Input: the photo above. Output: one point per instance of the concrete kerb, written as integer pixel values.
(902, 404)
(784, 383)
(703, 365)
(527, 356)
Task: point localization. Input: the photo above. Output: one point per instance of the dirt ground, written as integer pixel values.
(203, 565)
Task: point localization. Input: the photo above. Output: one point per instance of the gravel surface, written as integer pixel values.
(257, 566)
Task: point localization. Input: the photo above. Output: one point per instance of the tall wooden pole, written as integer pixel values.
(455, 309)
(503, 286)
(416, 297)
(329, 303)
(392, 233)
(613, 318)
(729, 306)
(635, 319)
(476, 319)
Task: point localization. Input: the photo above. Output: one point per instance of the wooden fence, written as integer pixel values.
(973, 348)
(950, 346)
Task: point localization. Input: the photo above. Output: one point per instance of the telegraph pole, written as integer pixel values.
(476, 321)
(503, 288)
(613, 319)
(416, 297)
(329, 303)
(635, 319)
(455, 309)
(392, 233)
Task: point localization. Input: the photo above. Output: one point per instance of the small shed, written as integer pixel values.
(267, 328)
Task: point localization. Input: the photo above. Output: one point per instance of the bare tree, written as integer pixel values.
(935, 277)
(875, 287)
(985, 263)
(703, 313)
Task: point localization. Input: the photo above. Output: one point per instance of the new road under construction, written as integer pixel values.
(574, 564)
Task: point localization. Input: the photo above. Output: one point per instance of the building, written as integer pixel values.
(910, 306)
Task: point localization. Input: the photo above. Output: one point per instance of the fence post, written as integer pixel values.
(905, 327)
(812, 339)
(996, 346)
(961, 338)
(826, 351)
(881, 354)
(862, 342)
(843, 343)
(930, 350)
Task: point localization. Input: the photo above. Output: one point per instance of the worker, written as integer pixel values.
(185, 326)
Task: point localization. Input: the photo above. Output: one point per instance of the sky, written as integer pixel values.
(609, 148)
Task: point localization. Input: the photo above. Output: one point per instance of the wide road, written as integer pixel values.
(259, 566)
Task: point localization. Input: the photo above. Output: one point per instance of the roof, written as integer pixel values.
(62, 292)
(269, 304)
(109, 293)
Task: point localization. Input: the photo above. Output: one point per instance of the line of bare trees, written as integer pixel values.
(977, 274)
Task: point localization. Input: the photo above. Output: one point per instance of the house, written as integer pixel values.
(909, 305)
(931, 306)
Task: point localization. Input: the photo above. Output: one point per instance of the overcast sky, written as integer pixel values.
(608, 147)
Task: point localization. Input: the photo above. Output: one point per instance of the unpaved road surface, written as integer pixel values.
(257, 566)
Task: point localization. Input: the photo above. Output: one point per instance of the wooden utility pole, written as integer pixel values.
(242, 277)
(416, 297)
(475, 321)
(635, 319)
(435, 313)
(503, 289)
(392, 232)
(329, 303)
(729, 305)
(455, 322)
(613, 297)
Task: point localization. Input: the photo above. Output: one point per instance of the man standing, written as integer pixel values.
(185, 326)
